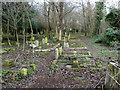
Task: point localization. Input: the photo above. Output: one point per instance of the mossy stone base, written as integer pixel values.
(24, 71)
(75, 64)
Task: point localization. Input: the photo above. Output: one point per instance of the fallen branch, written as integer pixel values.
(17, 57)
(98, 82)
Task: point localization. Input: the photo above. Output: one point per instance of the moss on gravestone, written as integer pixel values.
(75, 64)
(24, 71)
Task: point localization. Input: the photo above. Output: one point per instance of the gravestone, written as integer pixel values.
(24, 71)
(76, 64)
(68, 37)
(60, 50)
(56, 53)
(46, 40)
(43, 41)
(66, 44)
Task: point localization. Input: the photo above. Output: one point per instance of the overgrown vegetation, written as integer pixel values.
(112, 35)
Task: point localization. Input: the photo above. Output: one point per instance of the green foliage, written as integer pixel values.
(113, 18)
(99, 16)
(109, 36)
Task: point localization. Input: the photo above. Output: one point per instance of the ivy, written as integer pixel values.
(113, 18)
(99, 16)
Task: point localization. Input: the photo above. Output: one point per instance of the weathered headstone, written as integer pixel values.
(68, 37)
(37, 43)
(56, 53)
(24, 71)
(75, 64)
(43, 41)
(66, 44)
(75, 53)
(60, 50)
(46, 40)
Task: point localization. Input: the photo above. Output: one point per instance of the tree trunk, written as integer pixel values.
(54, 19)
(84, 19)
(8, 28)
(23, 32)
(17, 37)
(60, 20)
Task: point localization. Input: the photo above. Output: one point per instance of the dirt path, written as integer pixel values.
(63, 78)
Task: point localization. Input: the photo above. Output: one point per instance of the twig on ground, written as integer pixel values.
(17, 57)
(98, 82)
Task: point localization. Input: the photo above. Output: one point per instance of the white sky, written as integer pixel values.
(109, 3)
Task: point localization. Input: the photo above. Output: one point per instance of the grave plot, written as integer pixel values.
(77, 60)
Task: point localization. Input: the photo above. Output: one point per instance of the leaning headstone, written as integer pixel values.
(56, 53)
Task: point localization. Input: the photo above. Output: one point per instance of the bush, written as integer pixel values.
(113, 18)
(110, 37)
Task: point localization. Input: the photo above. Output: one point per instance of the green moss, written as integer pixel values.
(100, 66)
(75, 64)
(17, 43)
(96, 69)
(77, 78)
(94, 65)
(97, 63)
(81, 65)
(9, 63)
(45, 53)
(85, 65)
(33, 66)
(27, 51)
(4, 43)
(24, 71)
(54, 63)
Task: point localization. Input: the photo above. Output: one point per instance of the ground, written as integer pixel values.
(60, 77)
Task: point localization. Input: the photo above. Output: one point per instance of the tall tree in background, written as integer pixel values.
(98, 17)
(61, 4)
(83, 9)
(8, 20)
